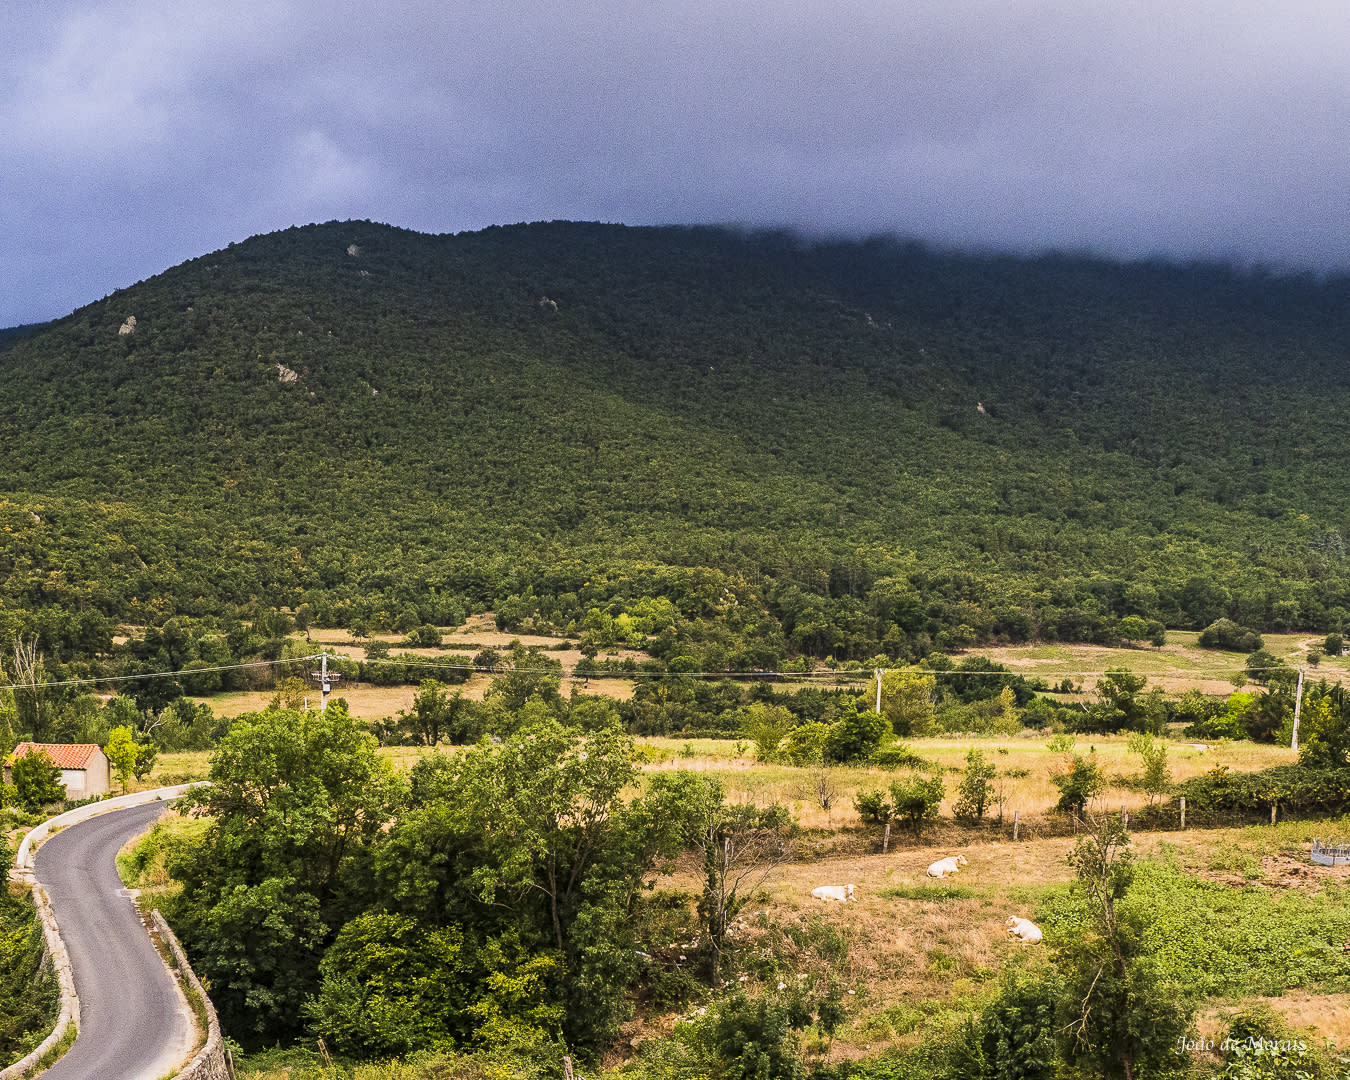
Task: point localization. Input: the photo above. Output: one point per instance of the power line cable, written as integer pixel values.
(852, 676)
(158, 674)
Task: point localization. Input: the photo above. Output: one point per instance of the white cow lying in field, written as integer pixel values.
(1025, 929)
(950, 865)
(834, 892)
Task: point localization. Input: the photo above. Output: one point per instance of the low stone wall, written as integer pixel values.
(69, 1017)
(23, 858)
(212, 1061)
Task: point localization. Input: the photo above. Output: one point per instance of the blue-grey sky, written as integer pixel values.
(135, 134)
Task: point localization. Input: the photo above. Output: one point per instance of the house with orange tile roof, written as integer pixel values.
(84, 766)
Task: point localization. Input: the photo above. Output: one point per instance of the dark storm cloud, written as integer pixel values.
(138, 133)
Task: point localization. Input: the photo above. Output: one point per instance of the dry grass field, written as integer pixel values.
(479, 632)
(1025, 763)
(910, 946)
(1178, 666)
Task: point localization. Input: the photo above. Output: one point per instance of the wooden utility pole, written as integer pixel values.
(1298, 708)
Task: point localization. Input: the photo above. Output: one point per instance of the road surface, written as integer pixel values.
(134, 1023)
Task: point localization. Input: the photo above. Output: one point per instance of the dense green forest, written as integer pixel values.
(736, 447)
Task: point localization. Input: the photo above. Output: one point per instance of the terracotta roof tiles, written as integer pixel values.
(65, 755)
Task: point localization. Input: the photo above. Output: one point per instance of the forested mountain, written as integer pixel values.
(831, 447)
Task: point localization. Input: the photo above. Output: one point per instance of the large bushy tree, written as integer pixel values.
(297, 800)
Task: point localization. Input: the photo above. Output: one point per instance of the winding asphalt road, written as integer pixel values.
(134, 1023)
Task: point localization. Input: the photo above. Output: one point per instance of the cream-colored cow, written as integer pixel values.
(1025, 929)
(949, 865)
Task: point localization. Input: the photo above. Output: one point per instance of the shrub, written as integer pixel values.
(917, 799)
(855, 736)
(805, 745)
(28, 993)
(1260, 1045)
(976, 791)
(874, 806)
(757, 1039)
(1060, 744)
(1294, 787)
(900, 756)
(767, 725)
(1207, 717)
(1081, 781)
(1016, 1033)
(1228, 635)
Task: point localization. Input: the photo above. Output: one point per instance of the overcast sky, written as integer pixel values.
(135, 134)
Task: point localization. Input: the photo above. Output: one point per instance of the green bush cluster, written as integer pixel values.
(28, 990)
(1294, 788)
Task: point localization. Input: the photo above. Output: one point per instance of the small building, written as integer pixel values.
(84, 766)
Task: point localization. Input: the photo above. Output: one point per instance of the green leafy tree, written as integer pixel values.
(856, 735)
(907, 700)
(28, 992)
(519, 1003)
(37, 781)
(1126, 704)
(1324, 728)
(740, 847)
(1228, 635)
(977, 789)
(805, 744)
(1262, 666)
(1133, 628)
(527, 675)
(1156, 778)
(296, 802)
(391, 986)
(437, 714)
(121, 752)
(767, 725)
(425, 636)
(1121, 1016)
(536, 836)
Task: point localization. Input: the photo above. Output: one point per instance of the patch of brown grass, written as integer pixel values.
(1034, 794)
(899, 951)
(1315, 1018)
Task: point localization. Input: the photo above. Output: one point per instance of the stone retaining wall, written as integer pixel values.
(213, 1059)
(69, 1017)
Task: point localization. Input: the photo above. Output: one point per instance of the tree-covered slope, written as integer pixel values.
(351, 414)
